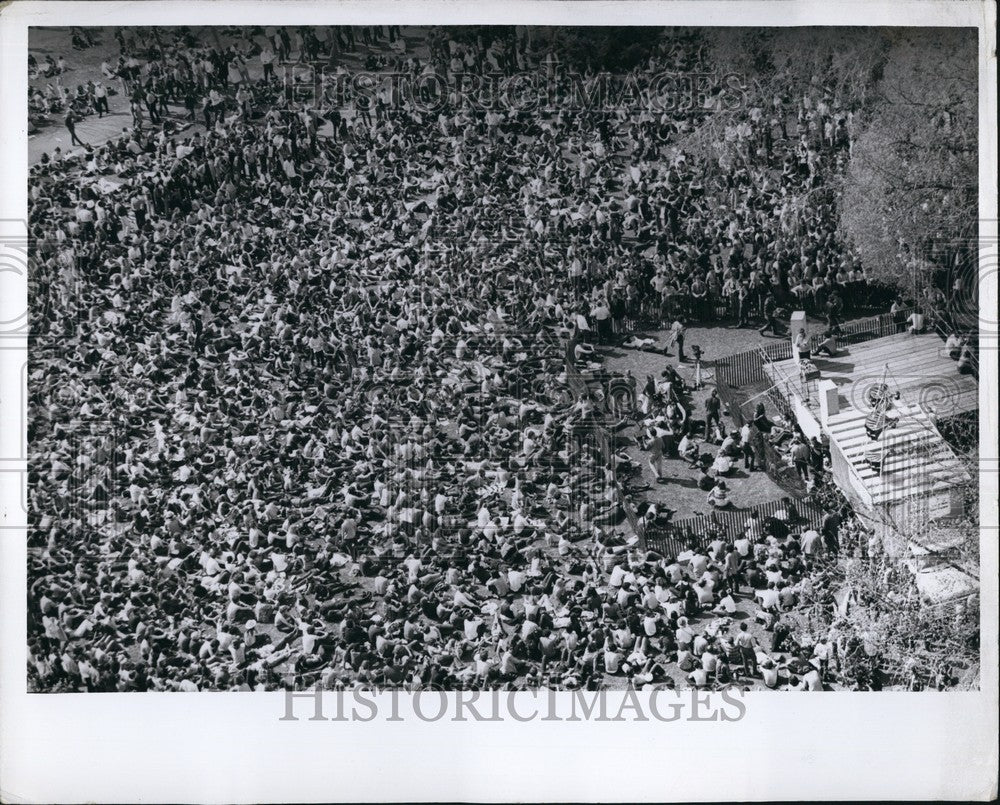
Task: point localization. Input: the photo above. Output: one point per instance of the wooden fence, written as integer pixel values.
(770, 460)
(698, 532)
(747, 368)
(732, 373)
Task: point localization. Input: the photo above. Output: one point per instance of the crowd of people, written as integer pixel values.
(54, 99)
(299, 405)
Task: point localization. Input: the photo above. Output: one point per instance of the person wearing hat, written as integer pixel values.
(718, 498)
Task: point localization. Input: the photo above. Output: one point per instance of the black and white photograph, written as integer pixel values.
(506, 357)
(497, 357)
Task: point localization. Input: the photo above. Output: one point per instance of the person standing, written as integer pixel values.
(101, 99)
(831, 532)
(677, 331)
(240, 63)
(744, 305)
(898, 313)
(732, 568)
(190, 101)
(770, 305)
(713, 416)
(822, 654)
(656, 456)
(800, 455)
(731, 296)
(619, 311)
(746, 643)
(699, 299)
(243, 101)
(816, 457)
(746, 445)
(71, 121)
(139, 205)
(834, 306)
(136, 109)
(267, 62)
(151, 101)
(602, 315)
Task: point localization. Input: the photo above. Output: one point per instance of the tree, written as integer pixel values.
(905, 635)
(614, 49)
(912, 178)
(898, 631)
(777, 68)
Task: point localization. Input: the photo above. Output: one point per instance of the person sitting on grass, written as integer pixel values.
(688, 450)
(723, 465)
(770, 673)
(705, 481)
(730, 447)
(719, 496)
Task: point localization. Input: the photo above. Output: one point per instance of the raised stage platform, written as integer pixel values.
(917, 461)
(918, 367)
